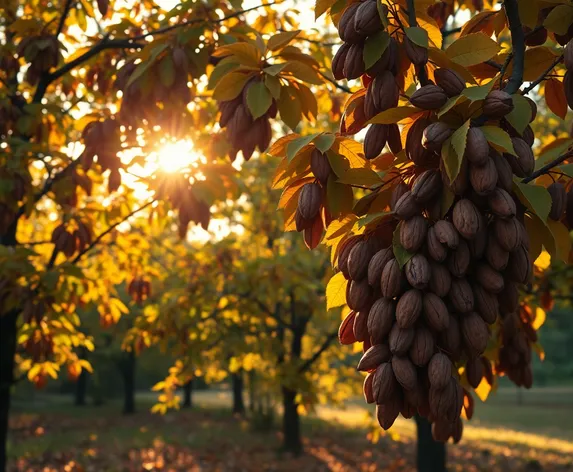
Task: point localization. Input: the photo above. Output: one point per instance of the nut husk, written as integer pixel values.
(407, 207)
(427, 185)
(380, 319)
(474, 371)
(429, 97)
(405, 372)
(422, 346)
(436, 250)
(345, 331)
(397, 192)
(358, 295)
(440, 279)
(417, 54)
(435, 312)
(309, 200)
(354, 62)
(391, 280)
(486, 304)
(439, 370)
(461, 296)
(373, 357)
(375, 140)
(338, 61)
(558, 200)
(320, 166)
(501, 203)
(358, 260)
(450, 339)
(450, 81)
(489, 278)
(467, 218)
(409, 308)
(447, 233)
(496, 256)
(414, 149)
(417, 271)
(508, 233)
(413, 233)
(497, 104)
(477, 147)
(475, 334)
(344, 251)
(484, 178)
(523, 163)
(435, 134)
(376, 265)
(459, 259)
(400, 340)
(504, 173)
(384, 383)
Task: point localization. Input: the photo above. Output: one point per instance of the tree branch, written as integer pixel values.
(420, 71)
(344, 88)
(518, 45)
(325, 345)
(109, 230)
(543, 76)
(493, 64)
(547, 167)
(447, 33)
(65, 13)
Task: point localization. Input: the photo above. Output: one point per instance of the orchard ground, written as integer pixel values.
(529, 431)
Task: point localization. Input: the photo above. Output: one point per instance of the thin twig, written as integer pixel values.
(447, 33)
(494, 64)
(518, 46)
(327, 342)
(543, 76)
(109, 230)
(65, 13)
(344, 88)
(547, 167)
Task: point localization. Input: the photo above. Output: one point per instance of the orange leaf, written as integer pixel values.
(555, 97)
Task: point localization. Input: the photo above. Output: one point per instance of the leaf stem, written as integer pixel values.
(547, 167)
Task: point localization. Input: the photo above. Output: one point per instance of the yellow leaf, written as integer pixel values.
(543, 261)
(395, 115)
(279, 147)
(472, 49)
(303, 72)
(540, 317)
(281, 39)
(483, 389)
(336, 291)
(440, 58)
(561, 238)
(537, 61)
(429, 24)
(247, 53)
(338, 228)
(350, 149)
(322, 6)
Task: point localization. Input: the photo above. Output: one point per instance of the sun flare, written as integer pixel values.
(175, 156)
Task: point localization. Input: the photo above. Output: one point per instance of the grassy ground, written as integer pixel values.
(50, 435)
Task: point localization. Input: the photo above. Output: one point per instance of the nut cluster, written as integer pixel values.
(69, 241)
(425, 318)
(358, 22)
(245, 133)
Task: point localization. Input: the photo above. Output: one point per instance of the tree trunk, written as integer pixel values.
(291, 423)
(431, 454)
(8, 335)
(188, 394)
(291, 420)
(128, 374)
(81, 384)
(238, 402)
(252, 391)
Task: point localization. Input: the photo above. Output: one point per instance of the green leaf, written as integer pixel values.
(418, 36)
(374, 218)
(219, 72)
(339, 198)
(374, 47)
(534, 197)
(394, 115)
(401, 255)
(167, 72)
(274, 86)
(360, 176)
(324, 142)
(459, 143)
(478, 92)
(447, 200)
(275, 69)
(230, 86)
(559, 19)
(498, 138)
(280, 40)
(143, 67)
(521, 114)
(258, 99)
(561, 238)
(336, 291)
(451, 103)
(450, 159)
(289, 108)
(297, 144)
(567, 169)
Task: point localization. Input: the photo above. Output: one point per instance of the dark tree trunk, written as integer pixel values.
(8, 335)
(251, 391)
(128, 374)
(431, 454)
(291, 423)
(238, 402)
(188, 394)
(81, 384)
